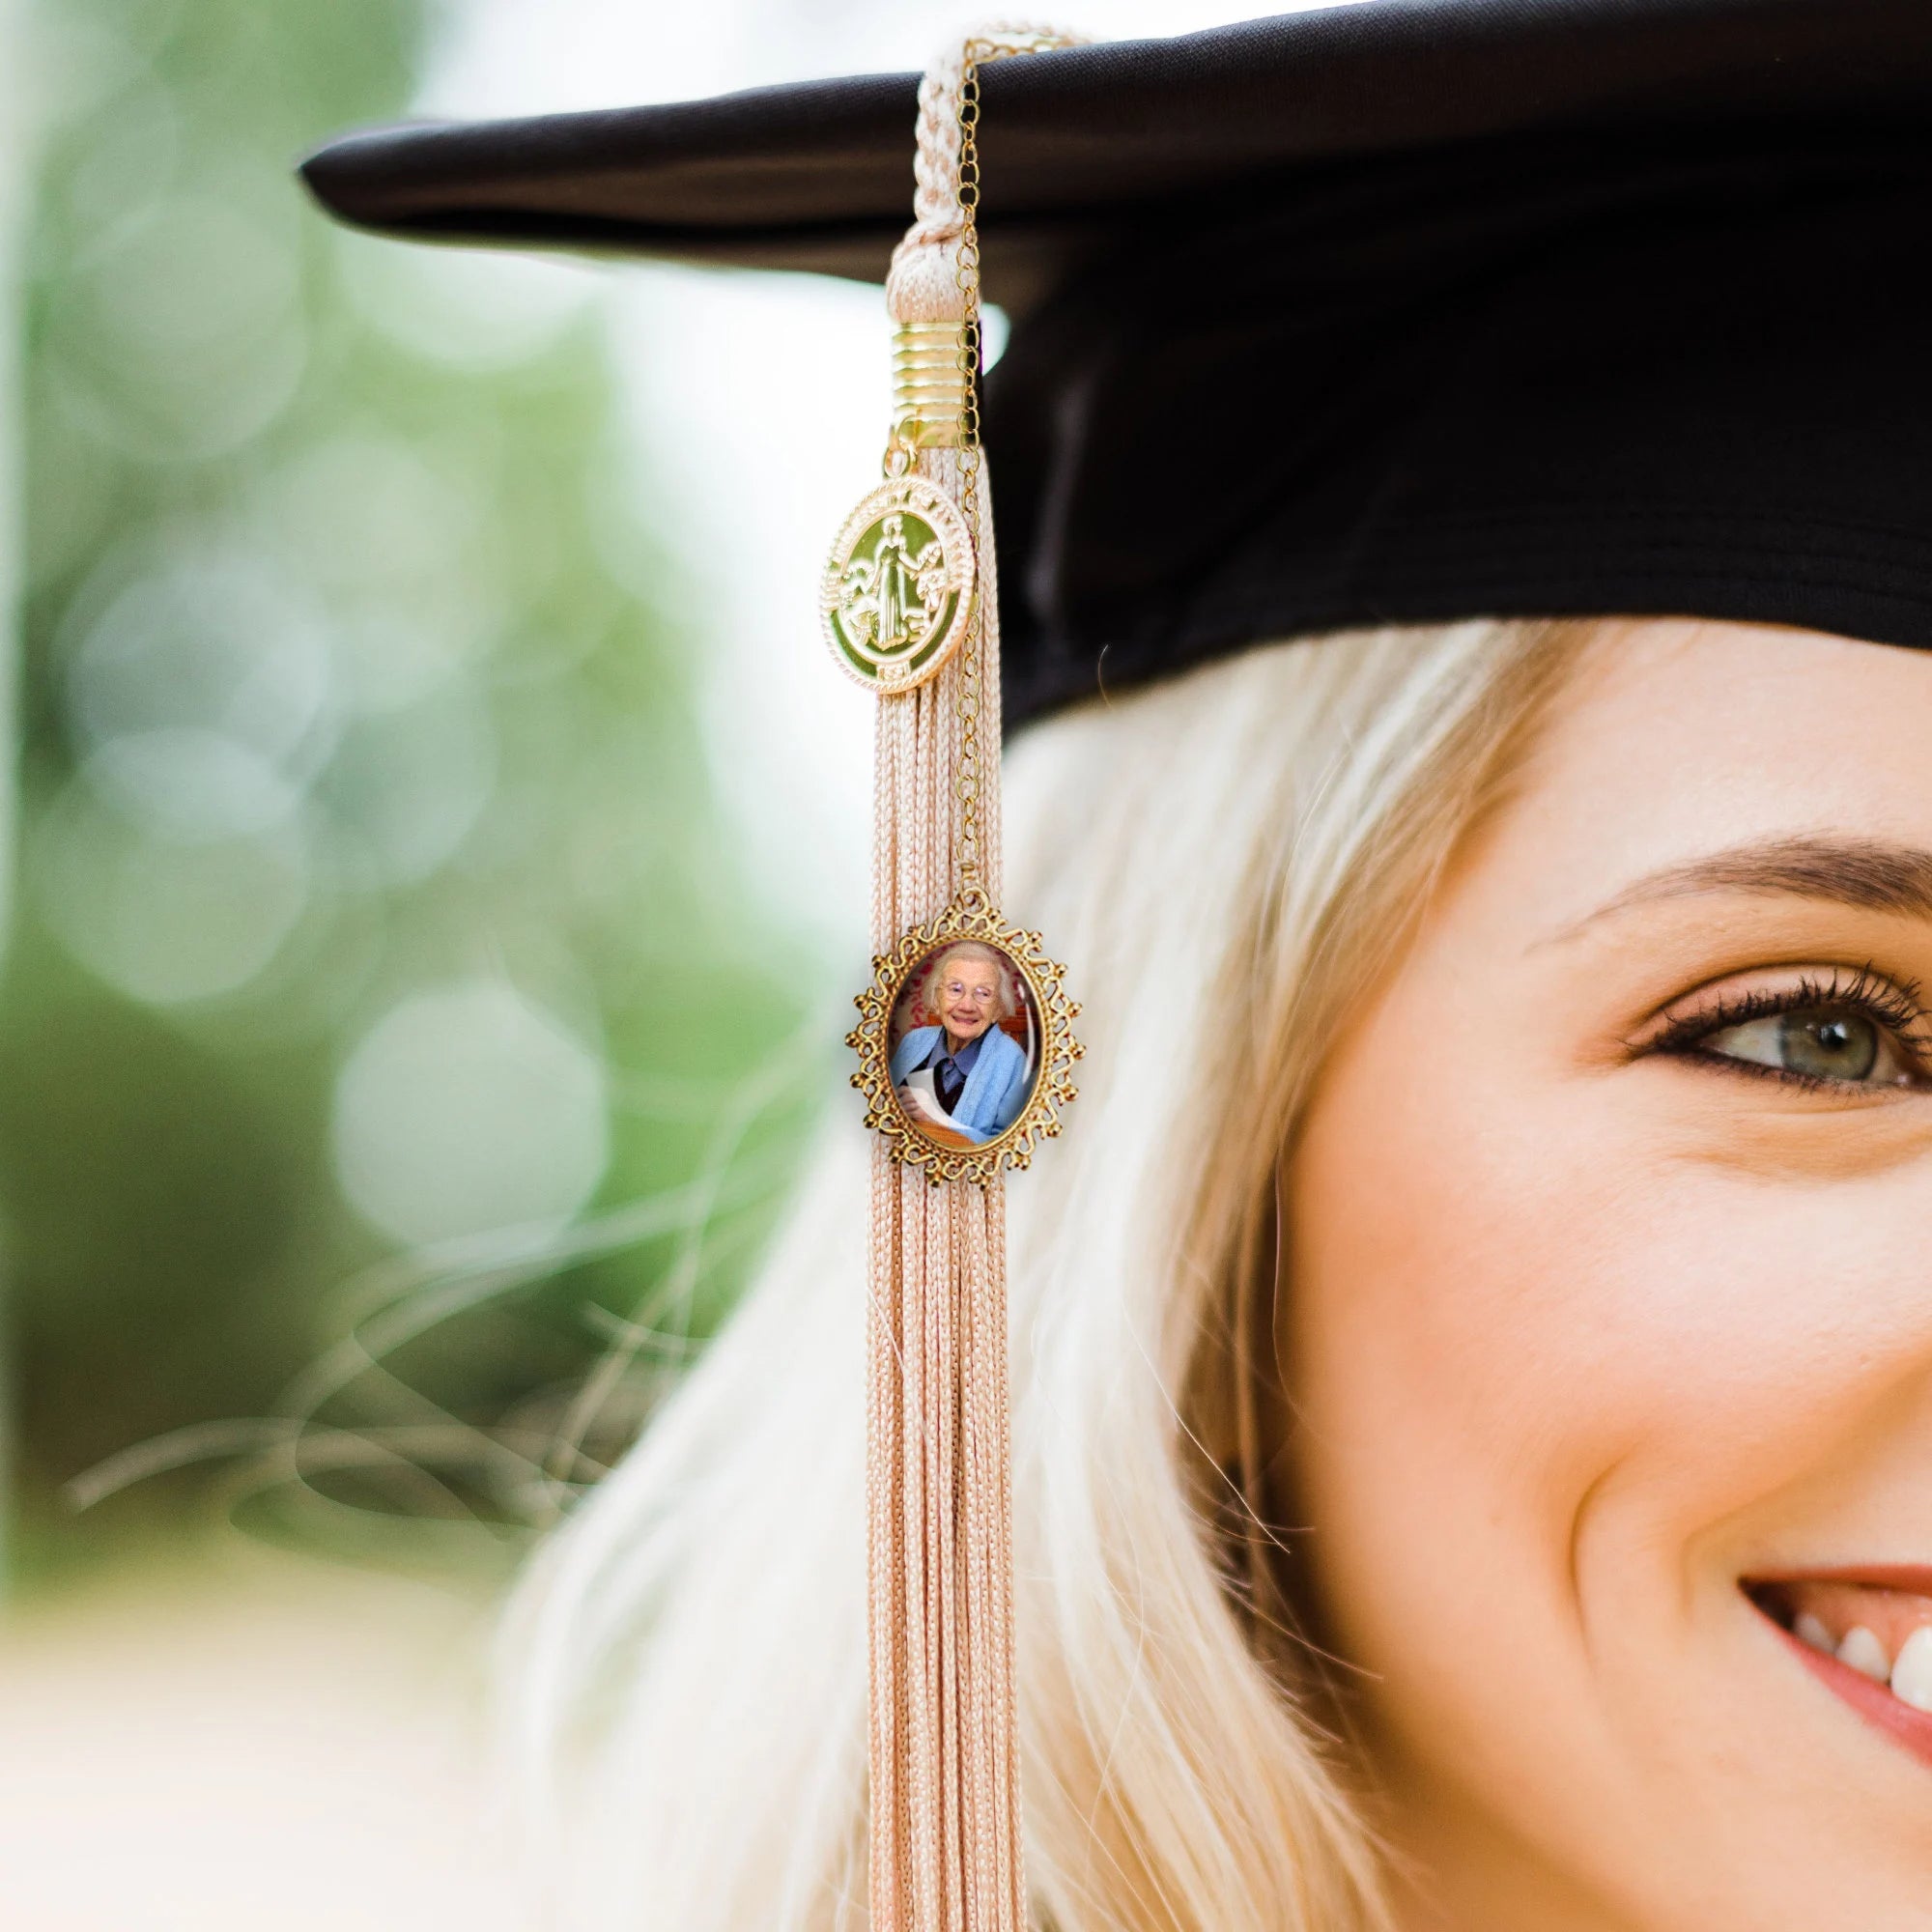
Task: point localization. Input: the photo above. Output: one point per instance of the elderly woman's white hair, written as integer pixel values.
(1004, 1000)
(1228, 860)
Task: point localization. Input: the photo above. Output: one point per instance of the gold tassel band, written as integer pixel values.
(931, 385)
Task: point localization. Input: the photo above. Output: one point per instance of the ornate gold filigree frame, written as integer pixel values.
(970, 916)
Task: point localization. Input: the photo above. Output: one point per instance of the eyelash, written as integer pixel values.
(1897, 1007)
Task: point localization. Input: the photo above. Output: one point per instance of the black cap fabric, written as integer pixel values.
(1404, 310)
(1691, 381)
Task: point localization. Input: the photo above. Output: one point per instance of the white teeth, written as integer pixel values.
(1864, 1652)
(1809, 1629)
(1912, 1674)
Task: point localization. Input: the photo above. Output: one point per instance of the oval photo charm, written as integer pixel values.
(898, 592)
(965, 1044)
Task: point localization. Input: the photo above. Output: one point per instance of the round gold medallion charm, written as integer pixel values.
(898, 593)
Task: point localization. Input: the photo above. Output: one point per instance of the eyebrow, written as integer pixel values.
(1868, 874)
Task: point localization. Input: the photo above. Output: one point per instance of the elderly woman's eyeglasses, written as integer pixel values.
(981, 996)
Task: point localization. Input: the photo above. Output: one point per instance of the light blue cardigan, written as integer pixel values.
(995, 1090)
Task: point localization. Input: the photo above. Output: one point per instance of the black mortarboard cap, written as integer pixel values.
(1398, 311)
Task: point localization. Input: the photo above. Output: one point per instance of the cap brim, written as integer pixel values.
(818, 176)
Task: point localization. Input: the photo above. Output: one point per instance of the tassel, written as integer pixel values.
(945, 1845)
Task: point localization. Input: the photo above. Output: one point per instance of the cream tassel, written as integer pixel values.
(946, 1819)
(946, 1813)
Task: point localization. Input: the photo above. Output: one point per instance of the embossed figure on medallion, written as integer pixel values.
(899, 587)
(895, 599)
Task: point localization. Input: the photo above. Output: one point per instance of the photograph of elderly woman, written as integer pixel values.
(965, 1044)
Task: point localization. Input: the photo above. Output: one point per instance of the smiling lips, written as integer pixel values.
(1868, 1635)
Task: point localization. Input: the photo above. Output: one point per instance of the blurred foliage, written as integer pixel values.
(372, 894)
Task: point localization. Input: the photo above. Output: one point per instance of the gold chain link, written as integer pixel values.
(967, 275)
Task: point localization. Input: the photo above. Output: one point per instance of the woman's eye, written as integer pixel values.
(1818, 1043)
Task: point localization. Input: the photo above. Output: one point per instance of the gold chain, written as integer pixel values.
(967, 276)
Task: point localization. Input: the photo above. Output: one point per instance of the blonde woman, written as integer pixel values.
(1431, 1562)
(1463, 507)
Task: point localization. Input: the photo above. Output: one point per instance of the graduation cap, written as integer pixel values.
(1405, 310)
(1409, 310)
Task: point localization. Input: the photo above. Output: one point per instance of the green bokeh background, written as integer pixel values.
(350, 676)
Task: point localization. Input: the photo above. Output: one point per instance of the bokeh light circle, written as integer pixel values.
(468, 1109)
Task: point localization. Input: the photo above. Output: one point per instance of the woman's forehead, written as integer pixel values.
(1681, 743)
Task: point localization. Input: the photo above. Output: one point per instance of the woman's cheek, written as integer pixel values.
(1442, 1347)
(1457, 1365)
(1560, 1362)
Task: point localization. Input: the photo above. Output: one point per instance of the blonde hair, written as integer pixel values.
(1228, 861)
